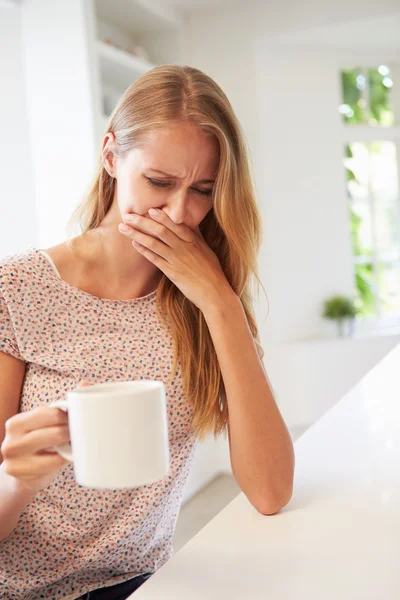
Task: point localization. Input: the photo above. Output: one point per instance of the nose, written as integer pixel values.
(177, 207)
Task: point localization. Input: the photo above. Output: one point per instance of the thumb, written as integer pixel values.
(84, 383)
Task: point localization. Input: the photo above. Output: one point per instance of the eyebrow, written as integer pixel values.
(176, 177)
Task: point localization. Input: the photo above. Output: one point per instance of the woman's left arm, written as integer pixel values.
(261, 449)
(260, 445)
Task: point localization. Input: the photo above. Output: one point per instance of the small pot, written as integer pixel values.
(346, 327)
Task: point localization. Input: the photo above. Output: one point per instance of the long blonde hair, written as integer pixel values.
(232, 228)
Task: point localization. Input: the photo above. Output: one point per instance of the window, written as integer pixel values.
(366, 96)
(371, 161)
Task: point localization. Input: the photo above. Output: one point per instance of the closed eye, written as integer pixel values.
(161, 184)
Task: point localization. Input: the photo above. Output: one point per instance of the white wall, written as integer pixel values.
(340, 365)
(18, 222)
(61, 84)
(296, 156)
(307, 251)
(275, 17)
(286, 99)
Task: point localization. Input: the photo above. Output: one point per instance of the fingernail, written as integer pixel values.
(123, 227)
(153, 212)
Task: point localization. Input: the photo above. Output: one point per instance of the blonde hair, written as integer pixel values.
(232, 228)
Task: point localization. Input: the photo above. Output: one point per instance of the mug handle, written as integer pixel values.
(63, 450)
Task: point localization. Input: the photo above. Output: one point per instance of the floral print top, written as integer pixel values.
(70, 539)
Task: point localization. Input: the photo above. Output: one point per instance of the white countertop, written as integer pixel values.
(337, 539)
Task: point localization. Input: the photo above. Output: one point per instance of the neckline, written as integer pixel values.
(54, 272)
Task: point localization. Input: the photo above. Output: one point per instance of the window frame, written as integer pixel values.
(366, 133)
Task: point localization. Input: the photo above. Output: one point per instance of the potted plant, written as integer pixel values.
(340, 309)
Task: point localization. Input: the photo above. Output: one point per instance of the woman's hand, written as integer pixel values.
(26, 446)
(181, 253)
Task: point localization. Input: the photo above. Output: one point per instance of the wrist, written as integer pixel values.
(21, 494)
(226, 300)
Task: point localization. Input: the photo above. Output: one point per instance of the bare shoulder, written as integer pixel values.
(72, 262)
(59, 253)
(67, 260)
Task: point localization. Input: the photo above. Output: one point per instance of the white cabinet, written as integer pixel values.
(74, 78)
(132, 37)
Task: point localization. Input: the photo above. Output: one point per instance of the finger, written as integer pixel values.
(180, 229)
(45, 439)
(159, 226)
(158, 247)
(42, 416)
(38, 440)
(152, 256)
(36, 466)
(84, 383)
(145, 230)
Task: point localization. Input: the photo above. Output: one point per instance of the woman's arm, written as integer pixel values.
(14, 498)
(261, 448)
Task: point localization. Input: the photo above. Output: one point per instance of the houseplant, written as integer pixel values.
(340, 309)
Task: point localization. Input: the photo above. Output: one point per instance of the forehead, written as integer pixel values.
(180, 149)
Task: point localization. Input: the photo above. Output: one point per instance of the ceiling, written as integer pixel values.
(378, 32)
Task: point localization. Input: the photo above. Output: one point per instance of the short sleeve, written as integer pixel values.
(8, 341)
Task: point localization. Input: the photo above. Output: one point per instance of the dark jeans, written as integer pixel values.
(121, 591)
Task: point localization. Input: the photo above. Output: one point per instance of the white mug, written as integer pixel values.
(118, 432)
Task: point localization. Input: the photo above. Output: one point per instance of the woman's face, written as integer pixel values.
(174, 169)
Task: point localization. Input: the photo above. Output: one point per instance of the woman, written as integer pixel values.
(138, 294)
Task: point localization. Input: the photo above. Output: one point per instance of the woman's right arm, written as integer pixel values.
(25, 466)
(13, 498)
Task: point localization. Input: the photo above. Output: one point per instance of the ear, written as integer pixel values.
(107, 153)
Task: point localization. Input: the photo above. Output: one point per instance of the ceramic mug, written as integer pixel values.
(118, 432)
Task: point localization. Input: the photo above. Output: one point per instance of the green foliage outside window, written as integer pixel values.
(364, 275)
(356, 112)
(359, 85)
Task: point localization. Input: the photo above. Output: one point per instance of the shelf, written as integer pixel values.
(140, 17)
(118, 68)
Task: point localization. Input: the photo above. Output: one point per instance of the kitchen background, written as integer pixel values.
(316, 87)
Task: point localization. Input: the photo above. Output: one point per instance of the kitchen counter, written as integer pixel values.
(339, 536)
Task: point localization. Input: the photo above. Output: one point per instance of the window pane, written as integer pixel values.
(388, 229)
(373, 169)
(373, 189)
(389, 284)
(356, 165)
(352, 107)
(382, 167)
(365, 289)
(380, 97)
(367, 96)
(360, 225)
